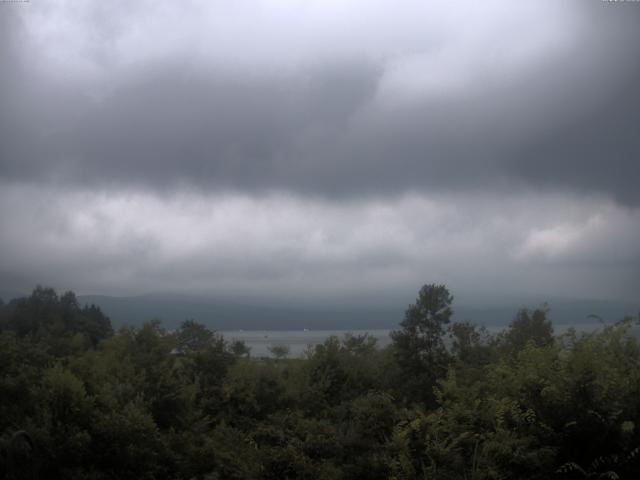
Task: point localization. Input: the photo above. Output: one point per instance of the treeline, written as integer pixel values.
(443, 401)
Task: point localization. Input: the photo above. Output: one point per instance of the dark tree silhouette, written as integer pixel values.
(419, 346)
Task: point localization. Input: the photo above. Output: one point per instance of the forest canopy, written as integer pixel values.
(444, 400)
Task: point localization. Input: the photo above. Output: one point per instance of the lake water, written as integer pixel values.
(297, 340)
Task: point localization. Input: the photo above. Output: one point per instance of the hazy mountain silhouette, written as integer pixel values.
(229, 315)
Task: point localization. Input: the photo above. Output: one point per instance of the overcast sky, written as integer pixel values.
(321, 148)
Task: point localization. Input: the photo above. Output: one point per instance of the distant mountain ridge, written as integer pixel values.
(224, 314)
(230, 315)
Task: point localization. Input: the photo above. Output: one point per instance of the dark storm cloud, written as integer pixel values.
(599, 147)
(599, 152)
(173, 123)
(200, 147)
(337, 126)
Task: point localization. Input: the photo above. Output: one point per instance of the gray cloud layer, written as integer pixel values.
(550, 104)
(300, 248)
(321, 146)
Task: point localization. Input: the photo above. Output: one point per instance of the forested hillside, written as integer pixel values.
(444, 401)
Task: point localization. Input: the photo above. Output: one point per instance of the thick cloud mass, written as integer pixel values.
(287, 246)
(427, 141)
(246, 97)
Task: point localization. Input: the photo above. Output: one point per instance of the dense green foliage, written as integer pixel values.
(443, 401)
